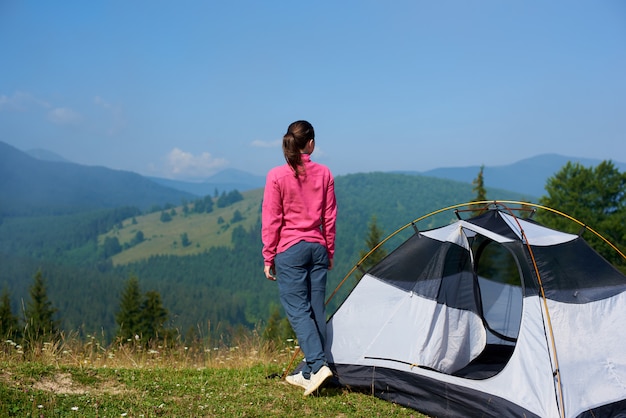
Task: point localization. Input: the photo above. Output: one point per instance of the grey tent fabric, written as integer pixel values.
(489, 316)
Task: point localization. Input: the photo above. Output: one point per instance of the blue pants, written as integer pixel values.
(301, 273)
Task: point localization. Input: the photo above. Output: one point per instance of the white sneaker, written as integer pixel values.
(317, 379)
(298, 380)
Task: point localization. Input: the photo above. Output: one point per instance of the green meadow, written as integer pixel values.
(70, 378)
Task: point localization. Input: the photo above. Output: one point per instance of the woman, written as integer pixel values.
(298, 232)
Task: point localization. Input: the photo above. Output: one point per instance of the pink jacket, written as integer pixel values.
(298, 209)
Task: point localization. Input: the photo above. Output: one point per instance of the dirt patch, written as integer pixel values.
(62, 383)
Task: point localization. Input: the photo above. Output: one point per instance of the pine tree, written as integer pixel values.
(9, 323)
(153, 316)
(208, 204)
(184, 240)
(374, 237)
(479, 189)
(141, 318)
(39, 312)
(128, 317)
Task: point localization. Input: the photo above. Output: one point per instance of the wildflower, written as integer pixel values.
(74, 408)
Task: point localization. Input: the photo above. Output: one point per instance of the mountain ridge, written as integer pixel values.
(32, 186)
(222, 181)
(527, 176)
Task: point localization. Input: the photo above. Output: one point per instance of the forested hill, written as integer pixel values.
(395, 200)
(526, 176)
(207, 265)
(223, 181)
(31, 186)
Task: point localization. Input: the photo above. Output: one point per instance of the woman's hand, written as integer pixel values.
(270, 272)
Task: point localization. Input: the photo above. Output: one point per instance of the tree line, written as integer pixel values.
(139, 317)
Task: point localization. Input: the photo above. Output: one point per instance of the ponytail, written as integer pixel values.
(294, 141)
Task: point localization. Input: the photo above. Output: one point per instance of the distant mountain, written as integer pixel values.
(224, 181)
(49, 180)
(43, 154)
(32, 186)
(527, 176)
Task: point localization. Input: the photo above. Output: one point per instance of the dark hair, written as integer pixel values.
(298, 134)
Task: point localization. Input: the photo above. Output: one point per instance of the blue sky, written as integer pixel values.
(185, 89)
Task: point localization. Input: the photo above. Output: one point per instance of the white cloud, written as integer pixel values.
(63, 116)
(181, 164)
(20, 101)
(267, 144)
(23, 101)
(101, 102)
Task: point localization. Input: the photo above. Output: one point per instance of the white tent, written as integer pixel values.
(489, 316)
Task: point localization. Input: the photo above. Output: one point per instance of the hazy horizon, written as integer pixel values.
(47, 155)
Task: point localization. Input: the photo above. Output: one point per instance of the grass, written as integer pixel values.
(204, 231)
(72, 378)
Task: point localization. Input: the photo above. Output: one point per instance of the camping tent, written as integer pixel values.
(489, 316)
